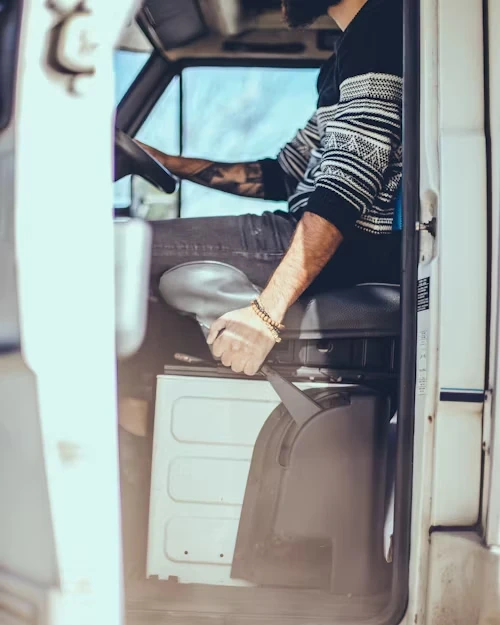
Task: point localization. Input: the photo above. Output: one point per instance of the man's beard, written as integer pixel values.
(299, 13)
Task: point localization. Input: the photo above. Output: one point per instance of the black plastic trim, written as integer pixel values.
(458, 397)
(396, 611)
(489, 218)
(145, 19)
(381, 382)
(145, 92)
(489, 176)
(181, 141)
(144, 24)
(10, 25)
(450, 529)
(249, 62)
(11, 12)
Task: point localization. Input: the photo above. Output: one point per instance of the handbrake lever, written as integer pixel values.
(299, 405)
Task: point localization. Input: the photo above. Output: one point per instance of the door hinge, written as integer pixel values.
(429, 226)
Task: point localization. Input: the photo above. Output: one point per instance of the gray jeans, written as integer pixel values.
(257, 243)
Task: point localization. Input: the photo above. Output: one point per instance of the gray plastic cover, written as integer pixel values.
(133, 239)
(171, 23)
(207, 290)
(314, 509)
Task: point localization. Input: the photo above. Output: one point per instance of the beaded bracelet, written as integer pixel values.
(269, 319)
(272, 326)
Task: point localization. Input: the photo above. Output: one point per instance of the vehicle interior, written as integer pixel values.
(285, 497)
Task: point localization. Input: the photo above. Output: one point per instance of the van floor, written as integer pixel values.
(168, 602)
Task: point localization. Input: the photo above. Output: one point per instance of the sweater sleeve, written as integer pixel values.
(362, 131)
(281, 175)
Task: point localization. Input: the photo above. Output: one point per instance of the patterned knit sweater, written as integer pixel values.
(346, 164)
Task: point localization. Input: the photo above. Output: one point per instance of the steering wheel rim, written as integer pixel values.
(130, 158)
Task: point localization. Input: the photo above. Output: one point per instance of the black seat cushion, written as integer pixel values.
(207, 290)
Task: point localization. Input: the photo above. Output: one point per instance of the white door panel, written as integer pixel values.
(452, 331)
(60, 146)
(463, 215)
(463, 581)
(492, 431)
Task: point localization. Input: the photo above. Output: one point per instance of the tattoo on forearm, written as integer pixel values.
(239, 179)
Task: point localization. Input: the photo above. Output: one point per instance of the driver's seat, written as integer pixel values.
(206, 290)
(342, 336)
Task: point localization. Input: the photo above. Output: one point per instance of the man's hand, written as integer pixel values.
(241, 340)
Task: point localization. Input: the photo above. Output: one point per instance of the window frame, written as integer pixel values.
(409, 316)
(156, 76)
(159, 71)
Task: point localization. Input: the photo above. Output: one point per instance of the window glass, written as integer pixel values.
(162, 127)
(127, 66)
(240, 114)
(228, 114)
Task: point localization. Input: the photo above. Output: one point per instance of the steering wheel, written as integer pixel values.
(130, 158)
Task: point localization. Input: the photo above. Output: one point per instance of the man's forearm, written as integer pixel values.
(237, 178)
(315, 242)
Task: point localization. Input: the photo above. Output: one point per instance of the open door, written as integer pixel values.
(60, 550)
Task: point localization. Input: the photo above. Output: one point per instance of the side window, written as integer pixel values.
(226, 114)
(127, 66)
(240, 114)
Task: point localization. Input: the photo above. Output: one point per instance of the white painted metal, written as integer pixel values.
(132, 244)
(463, 244)
(23, 485)
(457, 464)
(451, 334)
(492, 428)
(464, 581)
(428, 322)
(463, 207)
(65, 260)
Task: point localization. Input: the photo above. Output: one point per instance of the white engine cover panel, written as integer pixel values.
(205, 432)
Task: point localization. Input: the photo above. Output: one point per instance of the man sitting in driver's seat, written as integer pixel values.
(340, 175)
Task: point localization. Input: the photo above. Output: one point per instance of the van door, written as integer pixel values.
(452, 300)
(60, 559)
(492, 429)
